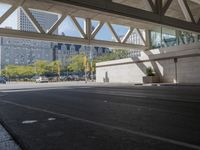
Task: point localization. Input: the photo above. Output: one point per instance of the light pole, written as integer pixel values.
(6, 71)
(85, 65)
(0, 61)
(91, 62)
(35, 67)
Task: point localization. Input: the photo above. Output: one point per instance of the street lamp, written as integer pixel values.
(91, 62)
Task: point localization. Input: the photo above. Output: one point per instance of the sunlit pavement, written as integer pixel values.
(79, 116)
(52, 85)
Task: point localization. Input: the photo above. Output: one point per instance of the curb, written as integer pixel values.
(13, 136)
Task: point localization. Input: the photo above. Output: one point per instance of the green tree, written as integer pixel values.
(41, 67)
(76, 63)
(14, 70)
(113, 55)
(10, 71)
(55, 67)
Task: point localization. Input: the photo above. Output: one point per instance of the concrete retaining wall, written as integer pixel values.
(185, 70)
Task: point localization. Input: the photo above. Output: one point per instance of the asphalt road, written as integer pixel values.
(103, 117)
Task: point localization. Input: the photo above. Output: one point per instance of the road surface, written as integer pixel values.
(102, 117)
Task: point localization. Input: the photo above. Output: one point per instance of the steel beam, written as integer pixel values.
(98, 28)
(113, 32)
(141, 36)
(148, 41)
(131, 12)
(166, 6)
(32, 19)
(186, 11)
(56, 25)
(11, 10)
(196, 1)
(88, 28)
(77, 25)
(128, 34)
(64, 39)
(152, 6)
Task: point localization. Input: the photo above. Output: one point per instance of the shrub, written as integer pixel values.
(150, 72)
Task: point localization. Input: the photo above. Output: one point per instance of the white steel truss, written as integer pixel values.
(87, 36)
(159, 7)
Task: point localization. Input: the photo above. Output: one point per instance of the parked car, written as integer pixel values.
(63, 78)
(2, 80)
(75, 77)
(70, 78)
(41, 79)
(53, 79)
(34, 78)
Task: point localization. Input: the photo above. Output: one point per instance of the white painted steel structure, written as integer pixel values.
(87, 36)
(136, 14)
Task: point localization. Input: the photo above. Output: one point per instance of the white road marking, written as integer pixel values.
(29, 121)
(70, 88)
(51, 119)
(155, 137)
(139, 95)
(34, 89)
(40, 89)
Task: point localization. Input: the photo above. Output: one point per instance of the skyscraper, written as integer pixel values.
(45, 19)
(17, 51)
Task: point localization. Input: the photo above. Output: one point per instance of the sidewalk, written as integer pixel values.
(6, 141)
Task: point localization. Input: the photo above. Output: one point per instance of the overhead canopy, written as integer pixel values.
(135, 14)
(146, 14)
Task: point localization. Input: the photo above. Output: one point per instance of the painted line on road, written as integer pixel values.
(35, 89)
(133, 105)
(138, 95)
(29, 121)
(41, 89)
(107, 92)
(163, 139)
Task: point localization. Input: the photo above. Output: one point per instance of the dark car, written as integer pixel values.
(2, 80)
(70, 78)
(63, 78)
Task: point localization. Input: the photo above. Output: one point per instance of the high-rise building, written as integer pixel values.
(14, 51)
(63, 52)
(45, 19)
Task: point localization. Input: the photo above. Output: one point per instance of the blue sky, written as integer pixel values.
(67, 26)
(12, 21)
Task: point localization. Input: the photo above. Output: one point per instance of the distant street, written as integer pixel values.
(79, 116)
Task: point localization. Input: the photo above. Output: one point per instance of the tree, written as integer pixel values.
(115, 54)
(76, 64)
(41, 67)
(14, 70)
(10, 71)
(55, 67)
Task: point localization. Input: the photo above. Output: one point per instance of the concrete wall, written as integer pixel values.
(186, 70)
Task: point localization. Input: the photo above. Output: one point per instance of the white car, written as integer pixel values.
(41, 79)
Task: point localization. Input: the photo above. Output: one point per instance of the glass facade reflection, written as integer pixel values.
(168, 38)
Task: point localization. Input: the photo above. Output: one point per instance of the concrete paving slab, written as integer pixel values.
(4, 136)
(6, 141)
(9, 145)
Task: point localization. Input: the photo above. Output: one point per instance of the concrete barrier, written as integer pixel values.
(180, 64)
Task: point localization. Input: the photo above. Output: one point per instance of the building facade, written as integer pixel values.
(63, 52)
(45, 19)
(15, 51)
